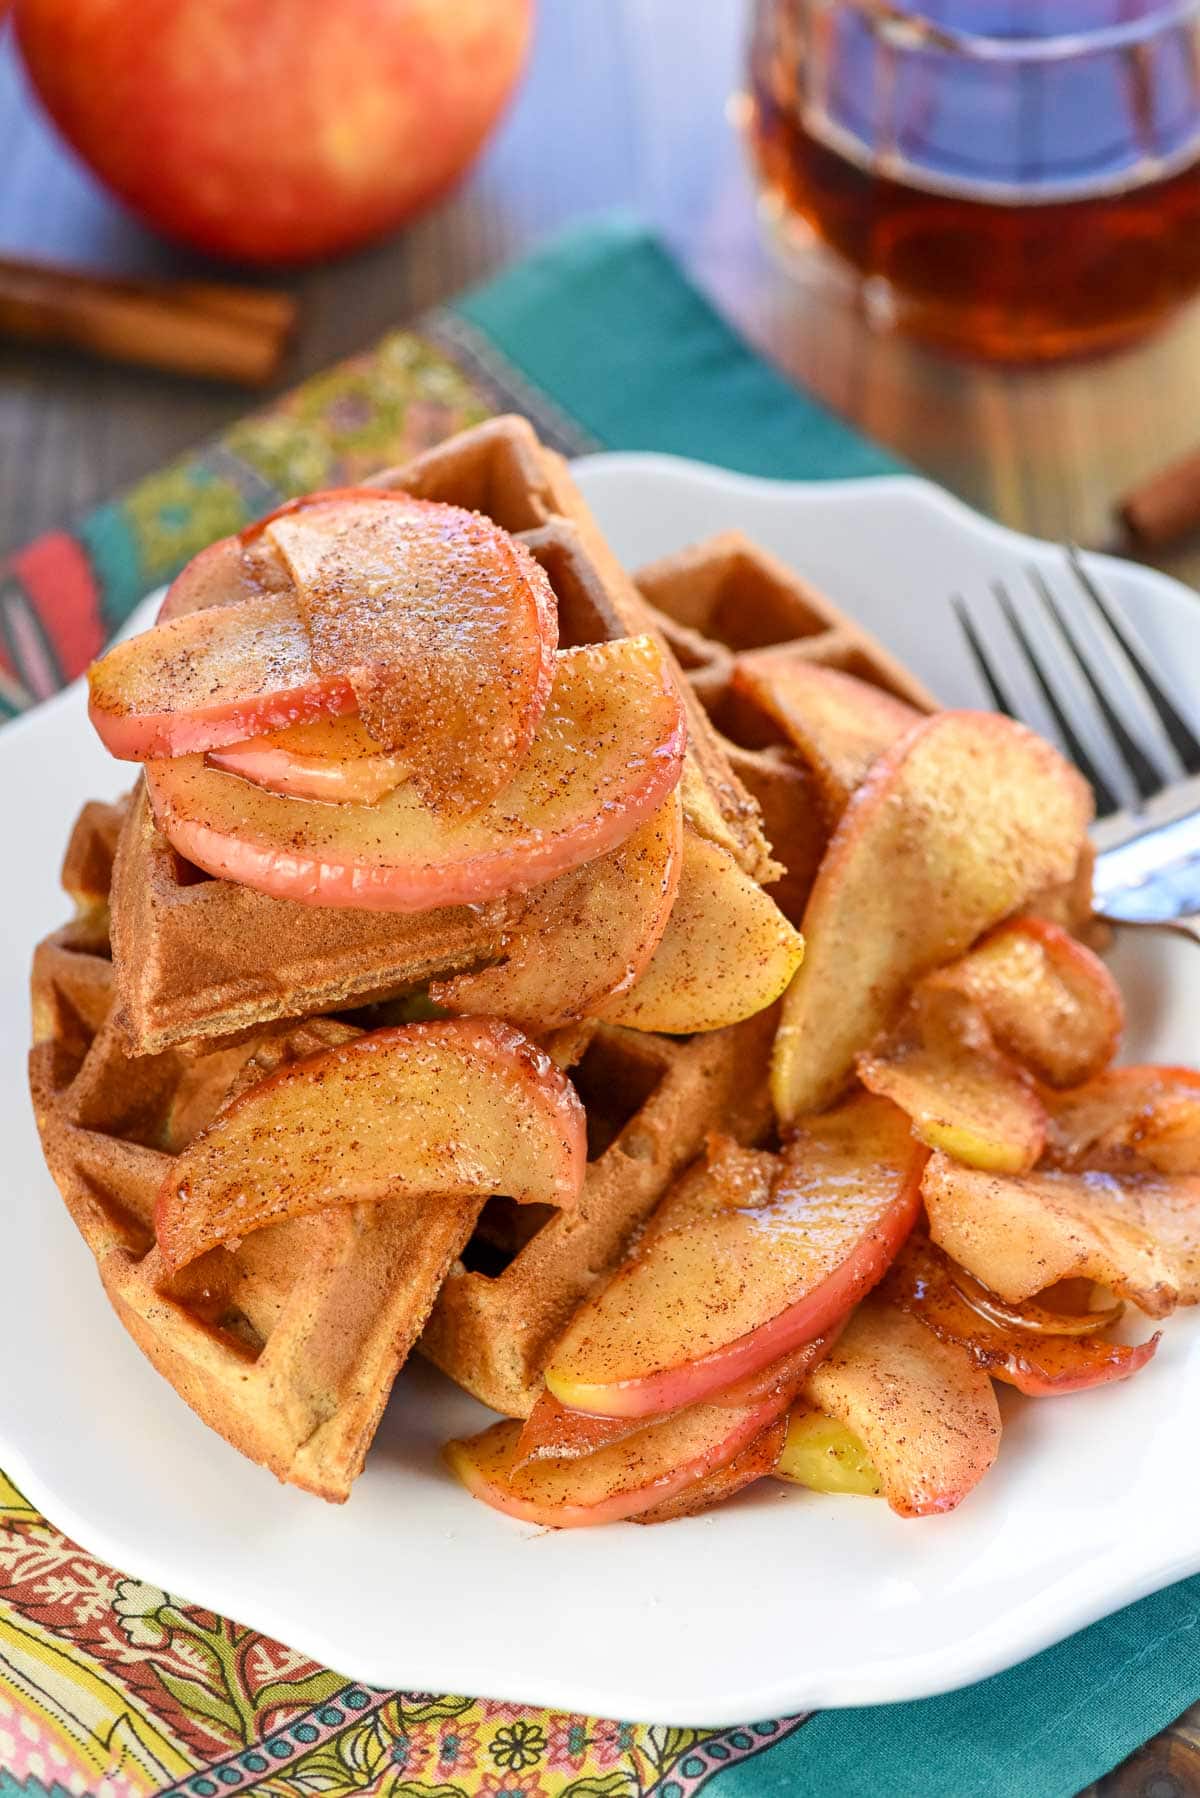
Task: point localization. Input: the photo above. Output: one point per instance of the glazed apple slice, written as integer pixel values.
(335, 759)
(584, 937)
(941, 1068)
(444, 625)
(1020, 1235)
(607, 755)
(836, 723)
(653, 1465)
(1046, 999)
(924, 1412)
(730, 1277)
(1040, 1352)
(552, 1432)
(1128, 1119)
(461, 1108)
(210, 678)
(431, 621)
(955, 827)
(727, 952)
(753, 1463)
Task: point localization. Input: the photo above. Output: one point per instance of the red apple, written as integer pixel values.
(274, 130)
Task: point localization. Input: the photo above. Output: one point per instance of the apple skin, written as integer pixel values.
(665, 1460)
(1035, 1360)
(274, 131)
(726, 1281)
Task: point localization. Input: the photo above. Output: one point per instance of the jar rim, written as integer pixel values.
(910, 28)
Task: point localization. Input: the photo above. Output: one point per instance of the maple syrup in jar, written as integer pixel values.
(1015, 179)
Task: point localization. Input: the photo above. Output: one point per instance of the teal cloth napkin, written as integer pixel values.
(603, 343)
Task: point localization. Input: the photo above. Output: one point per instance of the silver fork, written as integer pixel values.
(1098, 684)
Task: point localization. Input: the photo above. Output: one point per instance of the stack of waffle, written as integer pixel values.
(172, 992)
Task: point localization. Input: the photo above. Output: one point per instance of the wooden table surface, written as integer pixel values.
(624, 104)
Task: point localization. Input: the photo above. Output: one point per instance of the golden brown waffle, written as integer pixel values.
(726, 598)
(288, 1345)
(196, 956)
(651, 1101)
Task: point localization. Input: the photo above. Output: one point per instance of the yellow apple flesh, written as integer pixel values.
(726, 954)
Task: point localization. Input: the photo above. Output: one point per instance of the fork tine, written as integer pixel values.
(987, 672)
(1145, 773)
(1106, 800)
(1180, 734)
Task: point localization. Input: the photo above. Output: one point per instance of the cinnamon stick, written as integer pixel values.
(205, 328)
(1164, 508)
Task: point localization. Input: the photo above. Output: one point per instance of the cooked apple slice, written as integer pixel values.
(552, 1432)
(210, 678)
(753, 1463)
(334, 759)
(1021, 1235)
(647, 1468)
(1046, 998)
(431, 621)
(1027, 1347)
(955, 827)
(962, 1095)
(825, 1455)
(444, 625)
(727, 953)
(461, 1108)
(607, 755)
(838, 724)
(584, 937)
(925, 1414)
(1129, 1118)
(723, 1283)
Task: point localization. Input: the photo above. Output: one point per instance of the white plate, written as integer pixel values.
(781, 1601)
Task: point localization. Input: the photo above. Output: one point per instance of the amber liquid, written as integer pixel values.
(1010, 281)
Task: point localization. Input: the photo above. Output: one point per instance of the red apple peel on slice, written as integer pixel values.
(457, 1109)
(736, 1287)
(647, 1468)
(607, 754)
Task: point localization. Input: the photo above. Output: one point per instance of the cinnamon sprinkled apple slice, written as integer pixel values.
(430, 621)
(209, 678)
(1046, 998)
(726, 954)
(607, 754)
(941, 1067)
(444, 625)
(660, 1462)
(584, 937)
(1138, 1235)
(750, 1258)
(924, 1412)
(1031, 1351)
(958, 824)
(457, 1109)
